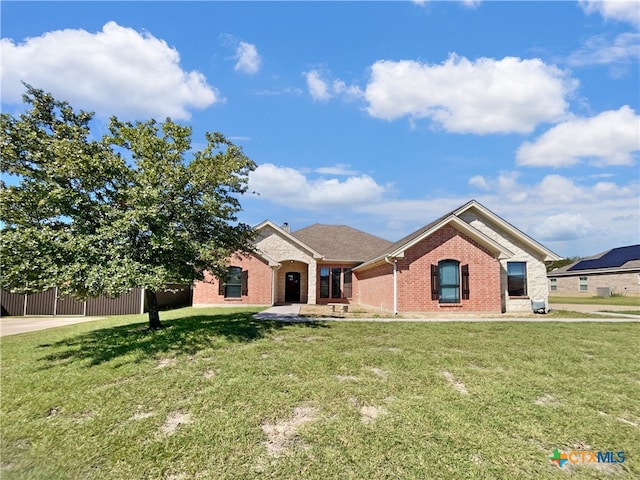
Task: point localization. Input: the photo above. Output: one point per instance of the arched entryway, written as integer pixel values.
(292, 287)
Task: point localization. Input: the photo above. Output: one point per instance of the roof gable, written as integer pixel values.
(454, 219)
(287, 236)
(530, 243)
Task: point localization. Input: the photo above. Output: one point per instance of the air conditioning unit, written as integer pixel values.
(603, 291)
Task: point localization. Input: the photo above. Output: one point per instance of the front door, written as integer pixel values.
(292, 287)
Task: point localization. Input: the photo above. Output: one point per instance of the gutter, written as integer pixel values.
(395, 282)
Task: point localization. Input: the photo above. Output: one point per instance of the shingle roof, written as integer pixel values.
(340, 242)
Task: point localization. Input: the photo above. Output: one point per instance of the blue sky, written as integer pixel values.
(379, 115)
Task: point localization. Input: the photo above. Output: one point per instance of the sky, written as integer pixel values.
(379, 115)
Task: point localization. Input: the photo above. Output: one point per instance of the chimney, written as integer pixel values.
(286, 227)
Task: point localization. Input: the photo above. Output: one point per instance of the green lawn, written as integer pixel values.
(625, 301)
(219, 395)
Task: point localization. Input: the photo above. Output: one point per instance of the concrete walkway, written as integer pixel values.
(291, 313)
(15, 325)
(282, 313)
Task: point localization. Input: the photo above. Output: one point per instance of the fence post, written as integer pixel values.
(24, 310)
(141, 301)
(55, 303)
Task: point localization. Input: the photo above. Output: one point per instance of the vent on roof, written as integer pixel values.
(613, 258)
(286, 227)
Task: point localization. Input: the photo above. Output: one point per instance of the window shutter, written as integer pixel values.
(435, 283)
(465, 282)
(221, 285)
(244, 282)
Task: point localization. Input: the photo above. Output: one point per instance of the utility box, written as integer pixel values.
(603, 291)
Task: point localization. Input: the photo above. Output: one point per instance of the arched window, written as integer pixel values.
(449, 275)
(445, 281)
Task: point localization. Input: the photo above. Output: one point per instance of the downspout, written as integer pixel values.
(395, 282)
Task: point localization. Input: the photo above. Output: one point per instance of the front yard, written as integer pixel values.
(220, 395)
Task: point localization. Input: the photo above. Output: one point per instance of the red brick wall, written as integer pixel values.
(414, 274)
(259, 283)
(374, 287)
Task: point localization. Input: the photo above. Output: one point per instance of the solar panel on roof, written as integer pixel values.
(613, 258)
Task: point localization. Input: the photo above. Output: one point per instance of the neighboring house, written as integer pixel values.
(468, 260)
(615, 272)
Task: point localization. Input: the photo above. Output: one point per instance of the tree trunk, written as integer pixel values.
(152, 306)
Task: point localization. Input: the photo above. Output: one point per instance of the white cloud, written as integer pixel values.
(318, 88)
(479, 182)
(562, 227)
(323, 90)
(338, 169)
(288, 186)
(600, 50)
(597, 216)
(471, 3)
(569, 217)
(620, 10)
(116, 71)
(610, 138)
(249, 60)
(483, 96)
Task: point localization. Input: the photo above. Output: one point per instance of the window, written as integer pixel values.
(236, 283)
(554, 284)
(335, 282)
(324, 282)
(517, 279)
(336, 273)
(445, 281)
(584, 286)
(348, 283)
(449, 274)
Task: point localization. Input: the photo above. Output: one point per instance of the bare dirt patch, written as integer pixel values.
(174, 421)
(211, 373)
(457, 384)
(378, 371)
(369, 413)
(55, 411)
(166, 362)
(630, 422)
(282, 435)
(546, 400)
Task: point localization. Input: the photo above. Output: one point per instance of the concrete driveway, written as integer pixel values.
(15, 325)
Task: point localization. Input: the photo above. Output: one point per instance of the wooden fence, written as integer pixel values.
(49, 303)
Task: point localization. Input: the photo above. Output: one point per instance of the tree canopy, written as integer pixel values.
(136, 207)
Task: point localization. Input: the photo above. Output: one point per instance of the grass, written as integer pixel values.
(221, 395)
(625, 301)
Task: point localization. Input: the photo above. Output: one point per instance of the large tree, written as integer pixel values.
(133, 208)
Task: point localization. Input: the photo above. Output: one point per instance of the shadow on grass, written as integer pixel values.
(188, 335)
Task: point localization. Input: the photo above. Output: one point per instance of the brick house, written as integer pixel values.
(468, 260)
(614, 272)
